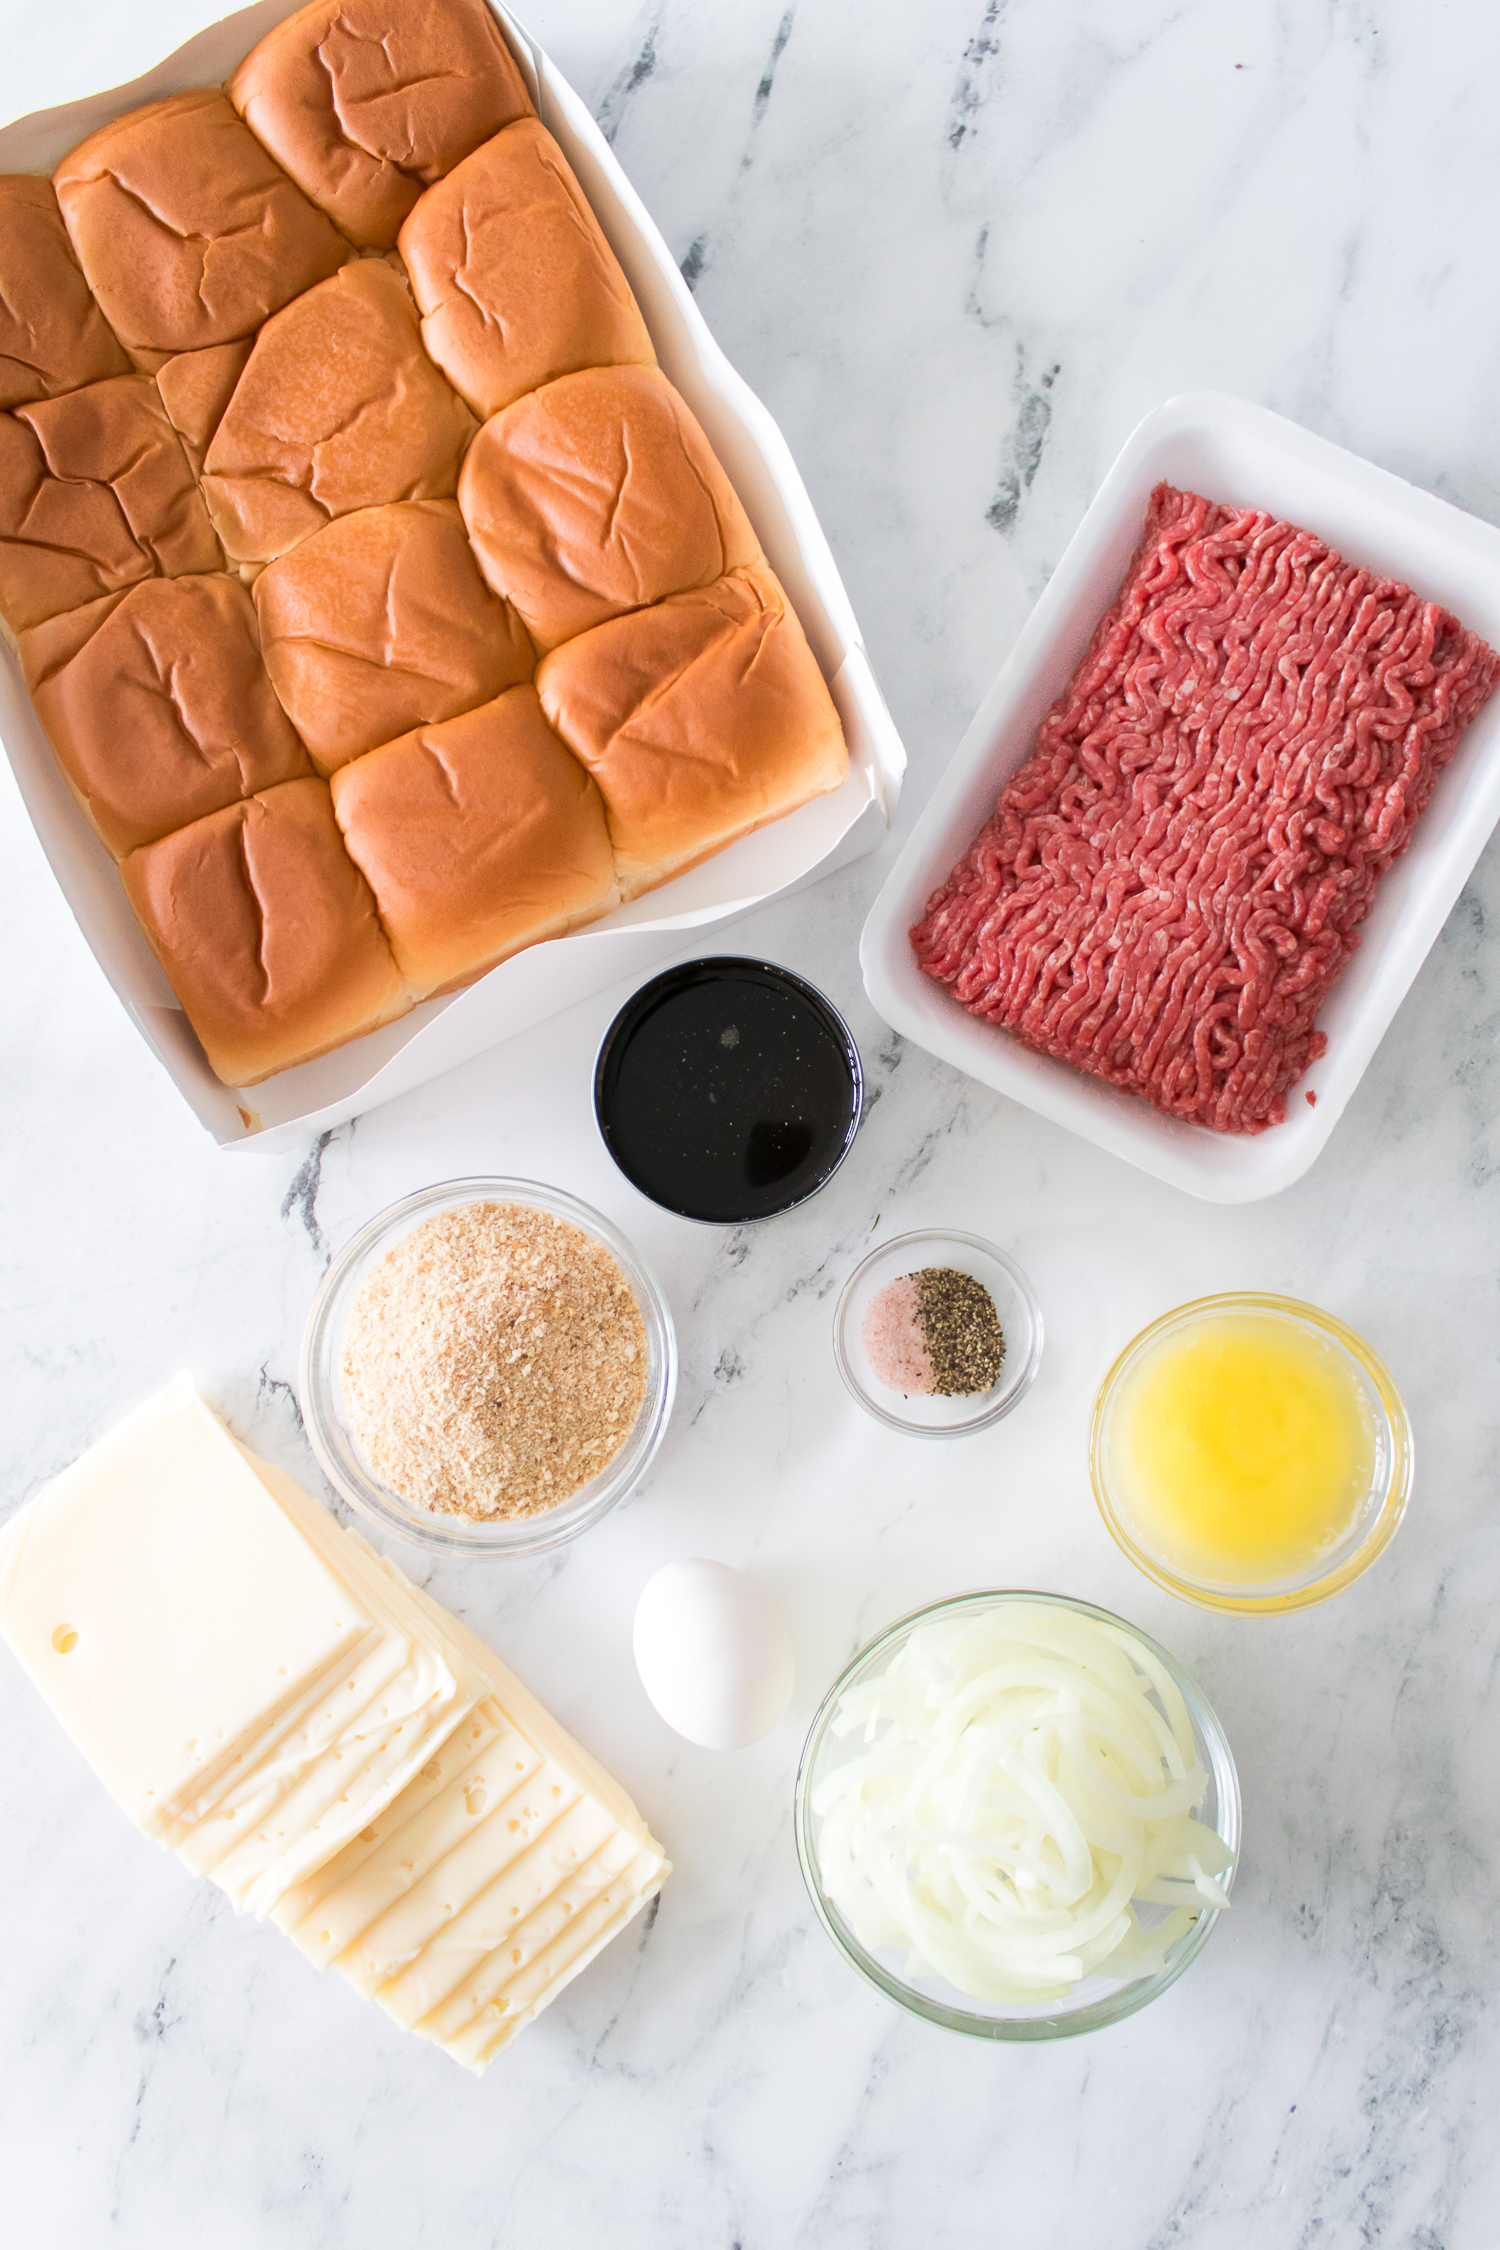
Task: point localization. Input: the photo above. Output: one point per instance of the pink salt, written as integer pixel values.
(893, 1339)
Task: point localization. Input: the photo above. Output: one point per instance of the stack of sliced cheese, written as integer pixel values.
(264, 1694)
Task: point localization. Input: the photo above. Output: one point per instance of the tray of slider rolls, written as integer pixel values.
(381, 608)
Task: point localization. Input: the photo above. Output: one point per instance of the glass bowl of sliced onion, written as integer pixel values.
(1017, 1816)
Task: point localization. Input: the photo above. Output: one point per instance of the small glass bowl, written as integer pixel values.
(326, 1419)
(733, 1201)
(1098, 2000)
(1374, 1521)
(1019, 1314)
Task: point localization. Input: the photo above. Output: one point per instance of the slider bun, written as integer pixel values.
(514, 279)
(380, 623)
(187, 232)
(597, 494)
(365, 105)
(477, 837)
(338, 408)
(267, 932)
(95, 492)
(158, 705)
(195, 388)
(700, 719)
(53, 336)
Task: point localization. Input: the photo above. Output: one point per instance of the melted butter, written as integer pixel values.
(1242, 1450)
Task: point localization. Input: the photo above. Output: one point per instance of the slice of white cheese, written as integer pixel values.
(450, 1915)
(164, 1605)
(296, 1912)
(501, 1995)
(349, 1786)
(500, 1851)
(403, 1861)
(326, 1737)
(338, 1796)
(524, 1886)
(471, 1951)
(533, 1719)
(261, 1690)
(278, 1741)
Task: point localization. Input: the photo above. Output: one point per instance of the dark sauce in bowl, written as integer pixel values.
(728, 1090)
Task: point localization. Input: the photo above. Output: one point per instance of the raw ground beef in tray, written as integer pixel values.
(1171, 883)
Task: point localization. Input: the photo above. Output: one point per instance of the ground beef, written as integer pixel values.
(1171, 883)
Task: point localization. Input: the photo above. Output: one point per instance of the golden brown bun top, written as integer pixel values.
(595, 495)
(380, 623)
(477, 837)
(195, 389)
(187, 232)
(95, 492)
(724, 658)
(513, 277)
(158, 705)
(338, 408)
(267, 932)
(366, 104)
(53, 336)
(700, 719)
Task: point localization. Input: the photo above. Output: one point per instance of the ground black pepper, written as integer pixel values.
(961, 1330)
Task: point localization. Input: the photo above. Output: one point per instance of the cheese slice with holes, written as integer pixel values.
(533, 1888)
(266, 1694)
(501, 1994)
(491, 1883)
(382, 1749)
(268, 1770)
(478, 1894)
(282, 1745)
(377, 1866)
(411, 1957)
(401, 1861)
(165, 1607)
(469, 1916)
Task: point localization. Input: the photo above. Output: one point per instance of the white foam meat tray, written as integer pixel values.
(1231, 451)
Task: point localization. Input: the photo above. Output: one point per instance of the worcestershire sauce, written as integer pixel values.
(728, 1090)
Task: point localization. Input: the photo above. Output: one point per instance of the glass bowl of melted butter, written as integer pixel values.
(1250, 1453)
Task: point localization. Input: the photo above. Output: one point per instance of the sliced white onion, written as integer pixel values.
(1025, 1778)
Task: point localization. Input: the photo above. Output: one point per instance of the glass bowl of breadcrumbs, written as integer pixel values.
(488, 1368)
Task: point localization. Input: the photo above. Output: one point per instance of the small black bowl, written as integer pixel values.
(728, 1090)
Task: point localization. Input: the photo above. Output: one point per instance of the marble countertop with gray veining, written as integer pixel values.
(959, 249)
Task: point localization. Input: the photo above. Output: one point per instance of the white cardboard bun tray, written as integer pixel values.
(829, 832)
(1234, 452)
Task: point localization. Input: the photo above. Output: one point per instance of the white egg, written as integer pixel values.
(713, 1653)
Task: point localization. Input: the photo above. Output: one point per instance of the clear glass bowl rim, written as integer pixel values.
(1273, 1599)
(1024, 1290)
(527, 1535)
(1094, 2015)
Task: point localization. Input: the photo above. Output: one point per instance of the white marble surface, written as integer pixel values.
(959, 249)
